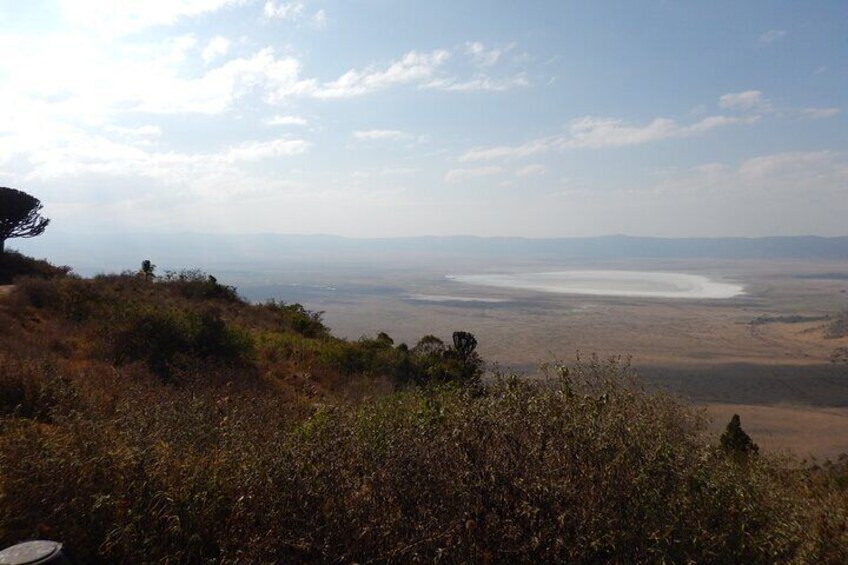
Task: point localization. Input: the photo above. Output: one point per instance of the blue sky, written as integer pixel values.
(398, 118)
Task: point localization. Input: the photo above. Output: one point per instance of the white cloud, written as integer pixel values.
(790, 193)
(510, 151)
(178, 49)
(131, 16)
(747, 100)
(141, 132)
(607, 132)
(287, 121)
(462, 174)
(282, 10)
(393, 171)
(482, 56)
(379, 134)
(712, 122)
(772, 36)
(820, 113)
(531, 170)
(257, 150)
(217, 47)
(594, 132)
(484, 60)
(597, 133)
(80, 78)
(479, 83)
(818, 172)
(215, 91)
(293, 12)
(47, 150)
(411, 68)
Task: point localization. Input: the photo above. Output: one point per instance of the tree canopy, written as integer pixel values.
(20, 215)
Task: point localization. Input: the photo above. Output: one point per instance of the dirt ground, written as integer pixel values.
(805, 431)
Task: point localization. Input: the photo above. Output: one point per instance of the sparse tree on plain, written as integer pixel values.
(148, 269)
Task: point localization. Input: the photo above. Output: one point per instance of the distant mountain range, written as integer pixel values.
(87, 252)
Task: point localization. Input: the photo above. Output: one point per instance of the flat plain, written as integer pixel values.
(762, 354)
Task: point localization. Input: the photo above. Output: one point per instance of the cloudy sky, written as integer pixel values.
(401, 117)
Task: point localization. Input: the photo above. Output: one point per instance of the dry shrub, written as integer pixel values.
(585, 467)
(590, 470)
(14, 264)
(31, 388)
(828, 522)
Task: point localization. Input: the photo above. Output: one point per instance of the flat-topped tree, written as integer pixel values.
(20, 215)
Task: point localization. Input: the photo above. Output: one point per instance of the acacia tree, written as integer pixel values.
(20, 215)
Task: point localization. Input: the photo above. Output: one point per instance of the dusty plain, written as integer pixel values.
(763, 355)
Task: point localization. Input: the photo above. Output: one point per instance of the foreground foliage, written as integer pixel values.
(252, 435)
(589, 470)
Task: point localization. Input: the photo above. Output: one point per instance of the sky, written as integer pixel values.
(385, 118)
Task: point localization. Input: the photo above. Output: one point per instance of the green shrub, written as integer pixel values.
(194, 284)
(296, 318)
(366, 356)
(163, 337)
(433, 362)
(285, 345)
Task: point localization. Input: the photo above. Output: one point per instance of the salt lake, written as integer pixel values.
(610, 283)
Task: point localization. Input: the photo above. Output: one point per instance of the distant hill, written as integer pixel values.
(117, 251)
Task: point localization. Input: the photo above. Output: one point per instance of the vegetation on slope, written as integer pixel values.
(148, 419)
(14, 264)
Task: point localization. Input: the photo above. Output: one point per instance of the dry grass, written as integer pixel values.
(295, 449)
(592, 470)
(805, 431)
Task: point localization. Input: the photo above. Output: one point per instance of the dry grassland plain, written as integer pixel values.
(762, 354)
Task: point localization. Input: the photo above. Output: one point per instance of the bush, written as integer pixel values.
(194, 284)
(163, 338)
(734, 441)
(433, 362)
(29, 388)
(583, 467)
(14, 264)
(296, 318)
(71, 297)
(589, 470)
